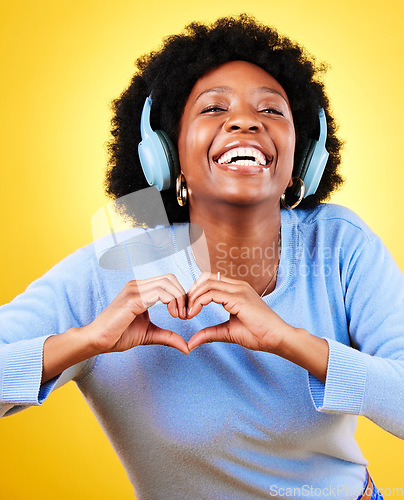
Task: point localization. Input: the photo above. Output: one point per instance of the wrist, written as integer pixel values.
(305, 350)
(64, 350)
(88, 340)
(289, 336)
(81, 341)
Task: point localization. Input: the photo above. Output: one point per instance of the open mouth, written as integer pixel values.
(243, 156)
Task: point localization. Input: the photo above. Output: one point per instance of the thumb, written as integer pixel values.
(216, 333)
(159, 336)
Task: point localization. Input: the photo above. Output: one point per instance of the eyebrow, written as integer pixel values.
(263, 90)
(214, 90)
(228, 90)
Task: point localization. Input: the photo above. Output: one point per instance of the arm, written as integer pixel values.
(33, 354)
(367, 377)
(124, 324)
(65, 297)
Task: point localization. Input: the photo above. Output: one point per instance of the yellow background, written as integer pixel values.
(61, 65)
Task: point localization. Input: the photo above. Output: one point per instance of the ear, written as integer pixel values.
(290, 183)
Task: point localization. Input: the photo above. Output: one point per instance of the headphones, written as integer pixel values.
(159, 158)
(314, 160)
(157, 153)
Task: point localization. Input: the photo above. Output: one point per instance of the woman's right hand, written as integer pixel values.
(125, 323)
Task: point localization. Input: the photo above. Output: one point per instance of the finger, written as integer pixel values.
(203, 278)
(216, 333)
(170, 283)
(177, 308)
(210, 280)
(181, 297)
(218, 277)
(172, 308)
(221, 294)
(159, 336)
(163, 289)
(205, 282)
(149, 297)
(168, 276)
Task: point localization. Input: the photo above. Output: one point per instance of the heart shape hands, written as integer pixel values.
(125, 323)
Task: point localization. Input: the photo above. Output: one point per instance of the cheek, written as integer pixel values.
(193, 148)
(290, 136)
(286, 150)
(288, 143)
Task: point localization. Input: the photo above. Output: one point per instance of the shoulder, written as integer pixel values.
(331, 212)
(77, 264)
(329, 229)
(333, 219)
(73, 275)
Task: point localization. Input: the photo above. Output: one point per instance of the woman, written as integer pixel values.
(301, 336)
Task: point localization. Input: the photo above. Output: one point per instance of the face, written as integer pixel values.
(237, 139)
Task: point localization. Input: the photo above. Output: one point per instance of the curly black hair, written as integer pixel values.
(171, 73)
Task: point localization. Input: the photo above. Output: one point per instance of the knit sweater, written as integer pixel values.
(226, 422)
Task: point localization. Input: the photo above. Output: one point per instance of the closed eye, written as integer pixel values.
(271, 111)
(212, 109)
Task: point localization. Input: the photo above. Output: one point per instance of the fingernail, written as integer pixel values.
(189, 311)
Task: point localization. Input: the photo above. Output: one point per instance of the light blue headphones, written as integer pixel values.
(314, 160)
(157, 153)
(160, 164)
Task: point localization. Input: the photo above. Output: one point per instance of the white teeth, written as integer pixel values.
(259, 157)
(246, 163)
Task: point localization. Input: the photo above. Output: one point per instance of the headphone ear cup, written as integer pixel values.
(158, 159)
(171, 155)
(315, 161)
(303, 167)
(157, 154)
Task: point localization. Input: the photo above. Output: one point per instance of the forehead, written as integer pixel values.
(236, 76)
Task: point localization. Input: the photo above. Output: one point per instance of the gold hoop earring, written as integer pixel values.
(301, 194)
(181, 190)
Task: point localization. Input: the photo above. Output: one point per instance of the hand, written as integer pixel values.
(252, 324)
(125, 323)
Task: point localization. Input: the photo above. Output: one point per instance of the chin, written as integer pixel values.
(248, 197)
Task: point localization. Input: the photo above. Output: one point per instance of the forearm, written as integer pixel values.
(306, 350)
(65, 350)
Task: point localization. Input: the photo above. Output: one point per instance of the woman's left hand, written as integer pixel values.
(252, 324)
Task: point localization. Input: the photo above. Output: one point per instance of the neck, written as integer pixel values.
(242, 243)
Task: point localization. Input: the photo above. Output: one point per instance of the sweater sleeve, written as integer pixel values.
(63, 298)
(367, 377)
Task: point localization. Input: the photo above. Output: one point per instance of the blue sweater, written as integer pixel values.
(226, 422)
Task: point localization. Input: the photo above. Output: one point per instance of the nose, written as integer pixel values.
(243, 120)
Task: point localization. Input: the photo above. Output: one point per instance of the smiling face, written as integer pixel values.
(236, 141)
